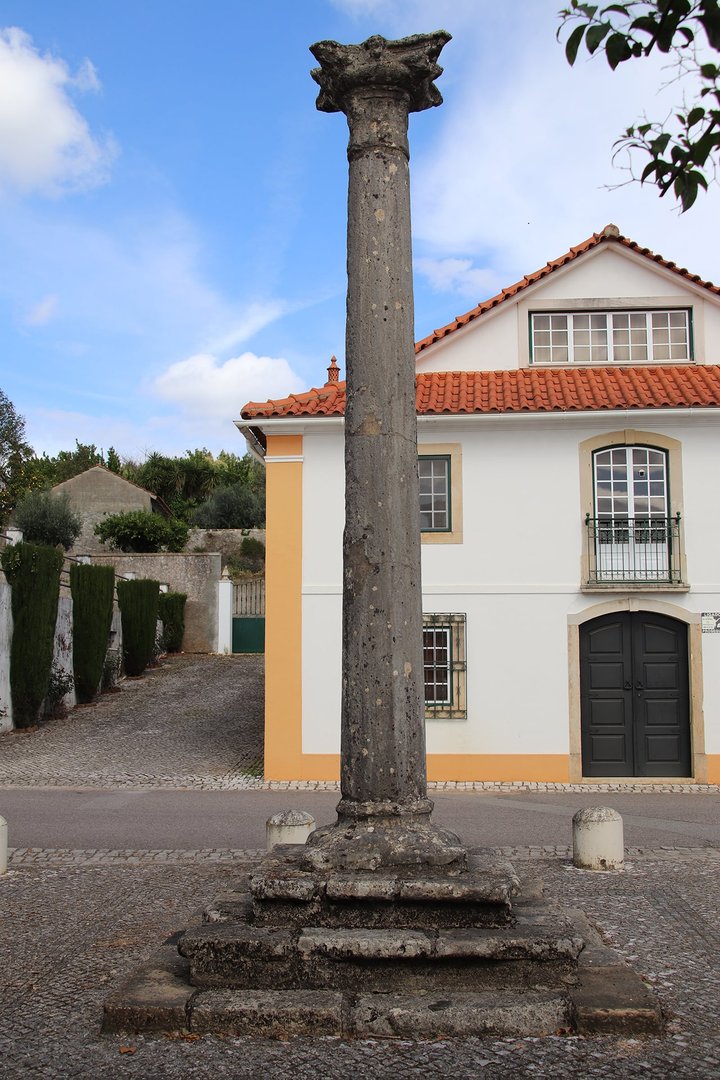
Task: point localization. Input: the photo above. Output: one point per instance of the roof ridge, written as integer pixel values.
(610, 234)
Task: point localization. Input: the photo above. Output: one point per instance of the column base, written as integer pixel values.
(383, 833)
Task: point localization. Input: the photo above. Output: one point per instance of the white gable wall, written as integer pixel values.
(611, 275)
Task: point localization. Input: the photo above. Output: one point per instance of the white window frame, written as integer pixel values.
(440, 494)
(565, 327)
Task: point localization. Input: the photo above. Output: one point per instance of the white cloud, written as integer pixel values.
(43, 311)
(520, 168)
(458, 276)
(211, 390)
(45, 143)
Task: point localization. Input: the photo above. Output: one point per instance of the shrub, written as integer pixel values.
(138, 602)
(59, 684)
(171, 610)
(232, 507)
(252, 548)
(48, 519)
(92, 589)
(142, 531)
(34, 574)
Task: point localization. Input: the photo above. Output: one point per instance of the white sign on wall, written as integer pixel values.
(711, 622)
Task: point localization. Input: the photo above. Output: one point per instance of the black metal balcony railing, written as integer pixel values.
(633, 550)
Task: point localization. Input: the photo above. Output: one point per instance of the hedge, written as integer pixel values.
(92, 589)
(171, 611)
(138, 600)
(34, 575)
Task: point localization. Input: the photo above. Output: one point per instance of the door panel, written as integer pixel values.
(635, 696)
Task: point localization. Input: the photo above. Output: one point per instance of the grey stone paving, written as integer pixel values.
(192, 722)
(72, 931)
(73, 923)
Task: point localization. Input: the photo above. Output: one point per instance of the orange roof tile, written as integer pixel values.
(527, 390)
(610, 234)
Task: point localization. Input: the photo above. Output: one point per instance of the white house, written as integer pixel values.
(568, 436)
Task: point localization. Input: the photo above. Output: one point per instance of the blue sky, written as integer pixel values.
(172, 205)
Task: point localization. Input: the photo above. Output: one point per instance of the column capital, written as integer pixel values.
(406, 67)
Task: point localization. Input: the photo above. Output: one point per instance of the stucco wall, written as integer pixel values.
(516, 575)
(197, 575)
(93, 495)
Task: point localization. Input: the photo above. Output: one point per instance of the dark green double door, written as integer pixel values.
(635, 710)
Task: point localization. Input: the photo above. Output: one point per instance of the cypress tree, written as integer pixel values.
(138, 600)
(34, 575)
(92, 589)
(172, 615)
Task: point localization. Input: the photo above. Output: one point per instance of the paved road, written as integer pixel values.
(89, 818)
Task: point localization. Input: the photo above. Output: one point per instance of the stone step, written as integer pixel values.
(609, 998)
(539, 950)
(285, 890)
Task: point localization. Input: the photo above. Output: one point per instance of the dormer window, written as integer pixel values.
(606, 337)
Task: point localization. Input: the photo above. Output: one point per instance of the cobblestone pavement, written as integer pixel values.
(75, 923)
(191, 722)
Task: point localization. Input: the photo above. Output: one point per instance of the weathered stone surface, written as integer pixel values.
(366, 944)
(156, 997)
(274, 1014)
(517, 944)
(229, 907)
(453, 1014)
(613, 999)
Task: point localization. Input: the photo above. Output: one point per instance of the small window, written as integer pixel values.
(434, 477)
(445, 667)
(602, 337)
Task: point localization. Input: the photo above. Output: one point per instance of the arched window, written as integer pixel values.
(632, 532)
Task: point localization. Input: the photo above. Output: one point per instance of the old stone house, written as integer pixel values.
(98, 492)
(568, 435)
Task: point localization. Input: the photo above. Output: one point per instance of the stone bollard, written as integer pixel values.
(3, 845)
(598, 839)
(289, 827)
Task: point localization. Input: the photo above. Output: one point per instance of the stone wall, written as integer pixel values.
(5, 639)
(226, 541)
(195, 574)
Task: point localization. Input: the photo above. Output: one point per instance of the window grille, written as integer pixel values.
(445, 666)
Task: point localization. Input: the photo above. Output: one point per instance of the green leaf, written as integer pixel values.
(695, 116)
(573, 44)
(596, 35)
(617, 49)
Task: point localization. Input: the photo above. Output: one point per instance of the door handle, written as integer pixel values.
(639, 686)
(628, 686)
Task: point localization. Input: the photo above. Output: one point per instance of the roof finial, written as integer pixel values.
(333, 371)
(611, 230)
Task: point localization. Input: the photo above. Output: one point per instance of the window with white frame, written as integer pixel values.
(632, 534)
(604, 337)
(434, 477)
(445, 666)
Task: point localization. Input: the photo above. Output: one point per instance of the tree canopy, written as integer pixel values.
(187, 483)
(684, 148)
(16, 456)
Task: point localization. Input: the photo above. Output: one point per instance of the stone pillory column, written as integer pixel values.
(383, 815)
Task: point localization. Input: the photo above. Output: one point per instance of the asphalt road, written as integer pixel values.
(150, 820)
